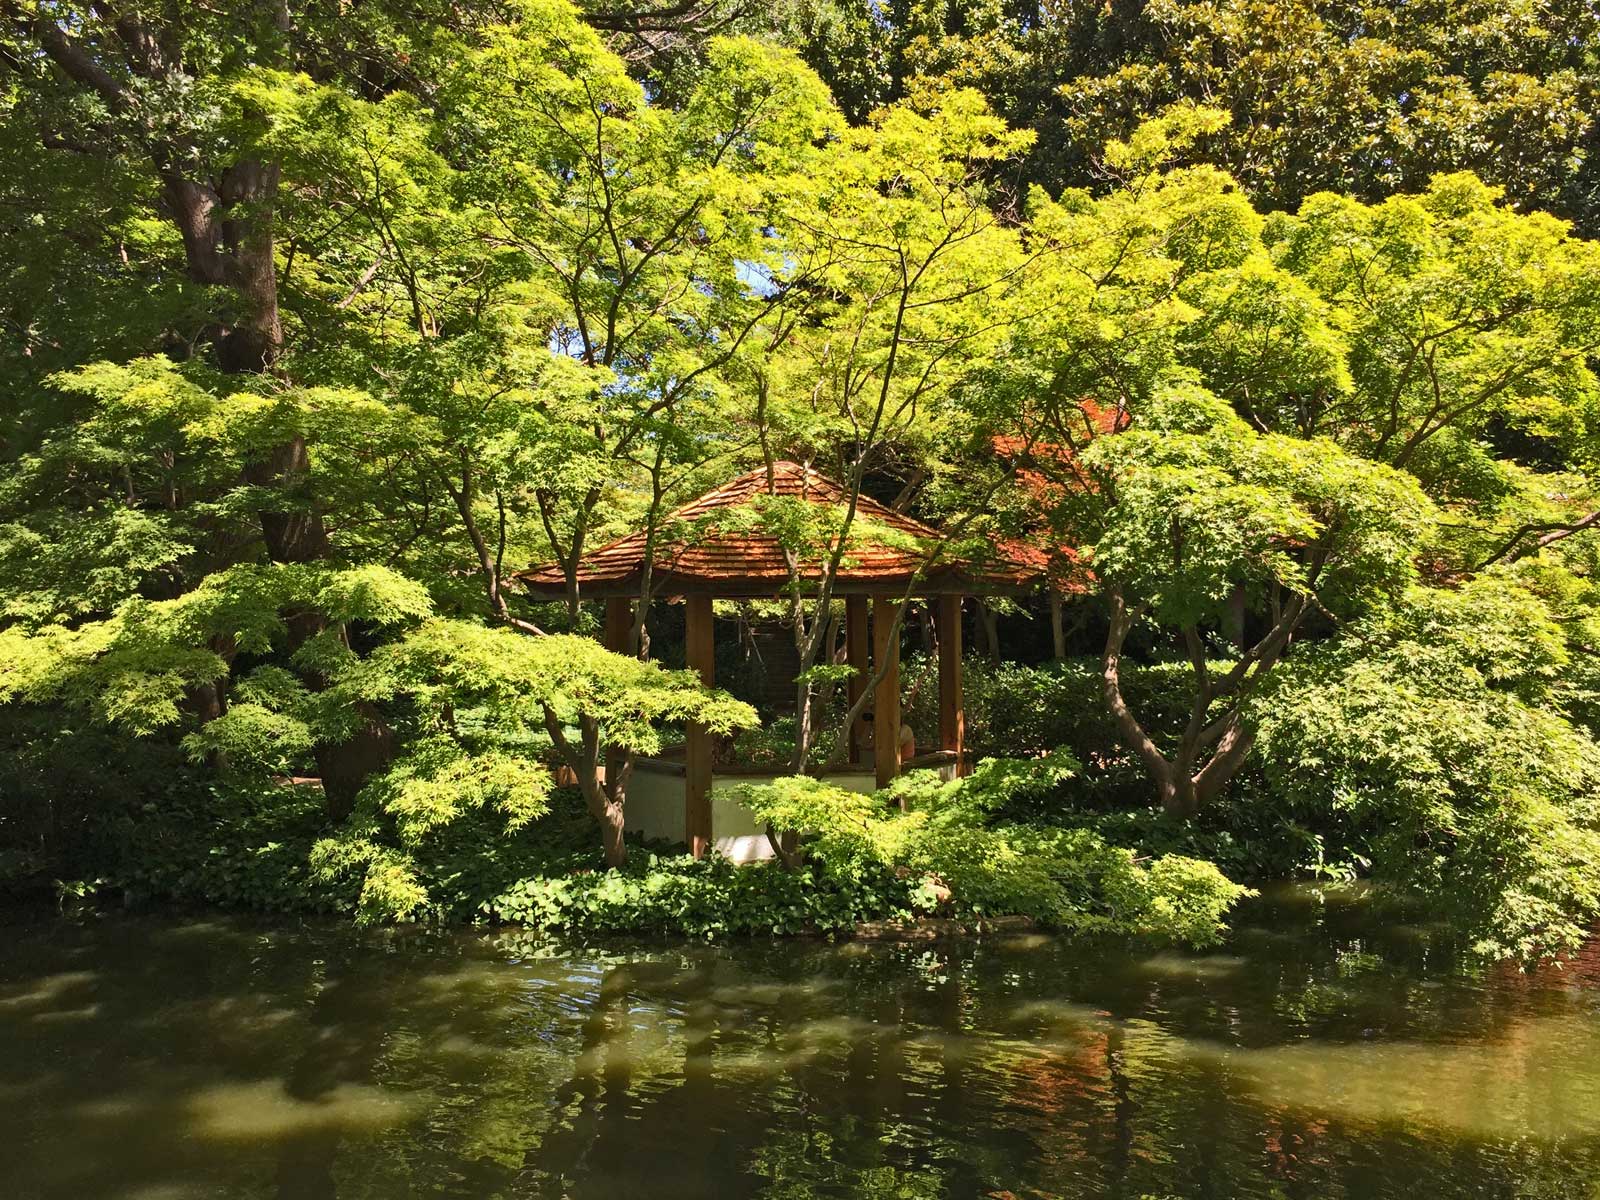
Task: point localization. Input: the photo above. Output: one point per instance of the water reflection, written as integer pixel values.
(1324, 1053)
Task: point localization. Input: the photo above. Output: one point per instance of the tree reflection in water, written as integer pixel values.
(1326, 1053)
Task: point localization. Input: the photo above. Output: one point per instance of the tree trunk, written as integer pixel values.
(1179, 799)
(1174, 785)
(785, 847)
(249, 198)
(228, 241)
(208, 701)
(1179, 787)
(606, 800)
(1161, 771)
(345, 766)
(1234, 617)
(604, 794)
(293, 533)
(611, 829)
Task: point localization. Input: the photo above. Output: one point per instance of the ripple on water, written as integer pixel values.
(46, 992)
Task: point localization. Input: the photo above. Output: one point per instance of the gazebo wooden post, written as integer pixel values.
(952, 717)
(697, 749)
(855, 652)
(886, 702)
(619, 623)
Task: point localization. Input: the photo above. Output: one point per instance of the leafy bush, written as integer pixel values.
(1068, 879)
(866, 860)
(704, 898)
(1428, 732)
(63, 814)
(1254, 831)
(264, 847)
(771, 744)
(232, 847)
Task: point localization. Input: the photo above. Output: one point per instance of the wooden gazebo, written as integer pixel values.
(722, 557)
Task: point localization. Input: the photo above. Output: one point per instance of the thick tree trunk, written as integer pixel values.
(208, 701)
(249, 197)
(292, 529)
(1234, 617)
(343, 766)
(1179, 799)
(205, 702)
(606, 792)
(611, 828)
(227, 235)
(228, 241)
(1224, 743)
(346, 766)
(226, 224)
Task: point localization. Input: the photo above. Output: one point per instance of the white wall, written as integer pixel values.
(655, 809)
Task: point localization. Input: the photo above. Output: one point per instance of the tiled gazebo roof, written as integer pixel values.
(735, 558)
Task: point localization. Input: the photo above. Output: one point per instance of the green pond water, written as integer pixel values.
(1323, 1052)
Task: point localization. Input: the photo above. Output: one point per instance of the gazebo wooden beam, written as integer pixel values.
(886, 701)
(701, 655)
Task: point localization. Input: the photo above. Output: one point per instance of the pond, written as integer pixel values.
(1323, 1052)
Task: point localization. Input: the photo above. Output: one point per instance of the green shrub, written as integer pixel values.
(865, 860)
(1021, 711)
(1255, 831)
(708, 897)
(1026, 710)
(71, 792)
(960, 852)
(232, 847)
(1067, 879)
(1428, 734)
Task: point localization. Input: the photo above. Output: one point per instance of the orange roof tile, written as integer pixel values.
(730, 557)
(1067, 566)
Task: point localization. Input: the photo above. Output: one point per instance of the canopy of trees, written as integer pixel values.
(1273, 325)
